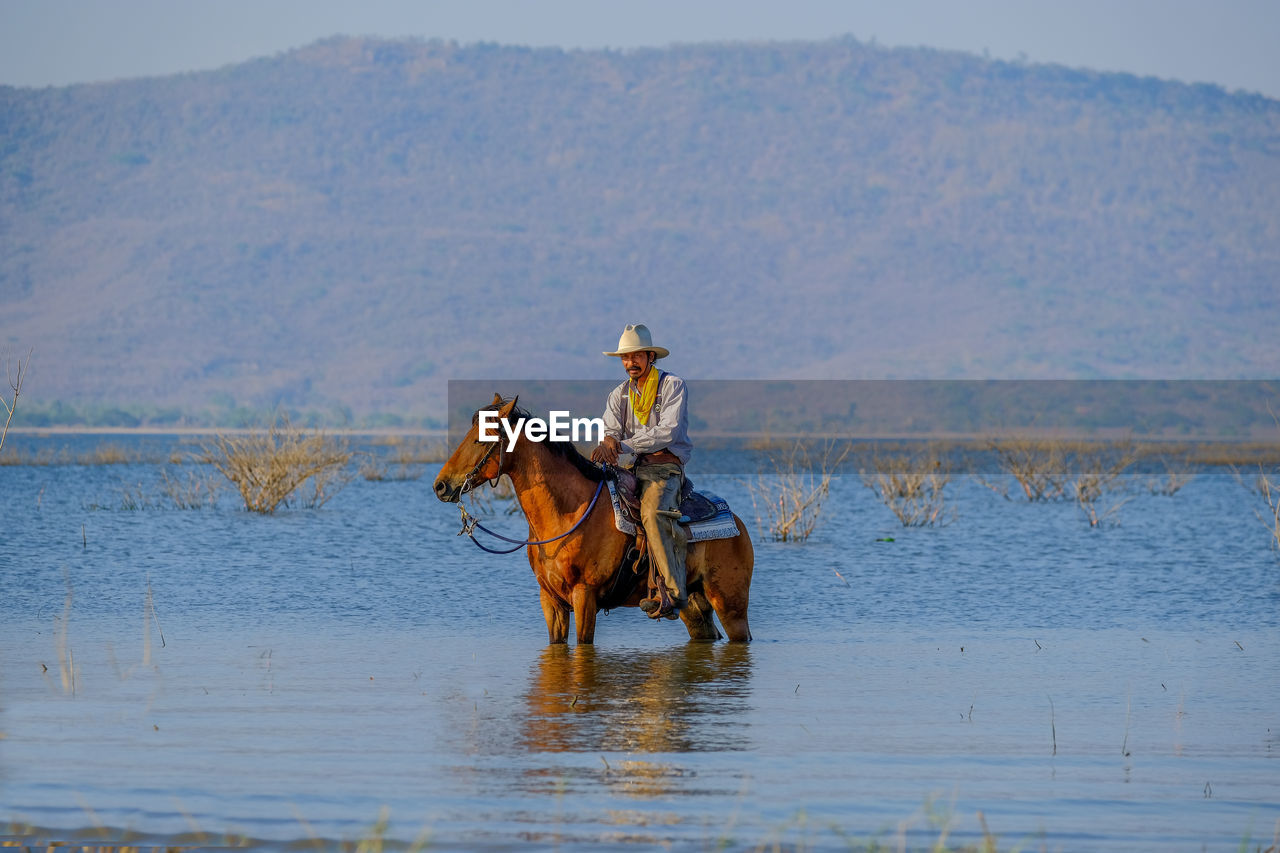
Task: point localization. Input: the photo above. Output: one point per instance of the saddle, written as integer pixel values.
(637, 567)
(694, 506)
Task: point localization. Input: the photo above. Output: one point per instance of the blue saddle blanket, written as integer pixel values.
(721, 525)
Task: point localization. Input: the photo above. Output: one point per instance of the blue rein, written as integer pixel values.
(470, 523)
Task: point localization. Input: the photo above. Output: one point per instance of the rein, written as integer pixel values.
(470, 523)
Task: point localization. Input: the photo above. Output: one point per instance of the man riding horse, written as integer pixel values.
(647, 416)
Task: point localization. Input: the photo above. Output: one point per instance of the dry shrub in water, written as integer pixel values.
(1092, 473)
(423, 452)
(267, 468)
(912, 485)
(109, 454)
(194, 491)
(374, 469)
(789, 502)
(1098, 486)
(768, 444)
(1267, 486)
(43, 457)
(1235, 454)
(405, 462)
(1039, 465)
(1175, 476)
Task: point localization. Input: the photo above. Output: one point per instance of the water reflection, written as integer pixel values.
(683, 699)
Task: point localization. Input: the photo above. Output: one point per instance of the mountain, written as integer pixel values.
(342, 228)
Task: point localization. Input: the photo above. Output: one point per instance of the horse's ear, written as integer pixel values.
(497, 399)
(506, 409)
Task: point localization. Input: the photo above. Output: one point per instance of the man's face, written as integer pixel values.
(636, 364)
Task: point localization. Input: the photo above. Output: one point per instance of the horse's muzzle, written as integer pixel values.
(446, 492)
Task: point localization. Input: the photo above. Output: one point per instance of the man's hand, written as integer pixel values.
(606, 452)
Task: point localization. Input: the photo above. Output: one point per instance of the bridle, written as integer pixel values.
(470, 523)
(469, 483)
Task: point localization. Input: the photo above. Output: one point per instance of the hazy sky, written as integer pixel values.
(1234, 43)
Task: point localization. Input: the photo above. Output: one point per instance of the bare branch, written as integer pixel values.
(1039, 465)
(792, 499)
(912, 486)
(1101, 477)
(15, 383)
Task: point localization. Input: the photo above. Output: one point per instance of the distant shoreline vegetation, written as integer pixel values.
(753, 411)
(765, 409)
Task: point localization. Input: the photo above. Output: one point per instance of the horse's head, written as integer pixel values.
(474, 461)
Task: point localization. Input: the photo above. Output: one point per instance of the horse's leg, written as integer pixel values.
(733, 616)
(697, 617)
(727, 582)
(584, 613)
(557, 616)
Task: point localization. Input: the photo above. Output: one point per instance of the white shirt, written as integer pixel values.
(668, 425)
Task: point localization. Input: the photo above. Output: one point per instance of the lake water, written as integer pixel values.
(310, 674)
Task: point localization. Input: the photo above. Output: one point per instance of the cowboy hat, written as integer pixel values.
(636, 338)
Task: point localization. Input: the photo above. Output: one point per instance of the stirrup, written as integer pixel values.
(662, 605)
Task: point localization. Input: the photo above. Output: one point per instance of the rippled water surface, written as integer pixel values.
(1113, 689)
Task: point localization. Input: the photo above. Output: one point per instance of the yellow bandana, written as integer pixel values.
(642, 398)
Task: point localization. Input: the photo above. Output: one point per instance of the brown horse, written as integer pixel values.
(575, 573)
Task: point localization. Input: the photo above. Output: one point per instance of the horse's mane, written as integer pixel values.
(563, 449)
